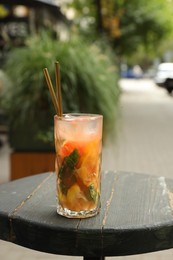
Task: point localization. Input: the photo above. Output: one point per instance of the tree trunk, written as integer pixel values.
(99, 24)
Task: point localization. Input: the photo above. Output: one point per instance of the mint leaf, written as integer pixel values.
(67, 178)
(93, 193)
(69, 162)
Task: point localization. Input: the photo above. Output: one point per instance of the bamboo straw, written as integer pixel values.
(58, 86)
(50, 86)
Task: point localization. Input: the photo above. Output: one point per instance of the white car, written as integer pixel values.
(164, 76)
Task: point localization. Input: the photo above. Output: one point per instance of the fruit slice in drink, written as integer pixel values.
(79, 174)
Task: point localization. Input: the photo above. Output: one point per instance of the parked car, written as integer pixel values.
(134, 72)
(164, 76)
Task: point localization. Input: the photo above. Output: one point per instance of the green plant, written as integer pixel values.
(88, 81)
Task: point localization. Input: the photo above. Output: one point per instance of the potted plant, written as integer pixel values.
(88, 82)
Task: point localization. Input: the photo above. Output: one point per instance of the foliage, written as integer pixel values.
(88, 81)
(143, 24)
(136, 28)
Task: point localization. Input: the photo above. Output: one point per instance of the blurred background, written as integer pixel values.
(116, 59)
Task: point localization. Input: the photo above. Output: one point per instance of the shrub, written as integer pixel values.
(88, 82)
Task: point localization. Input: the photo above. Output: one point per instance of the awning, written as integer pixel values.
(31, 3)
(51, 4)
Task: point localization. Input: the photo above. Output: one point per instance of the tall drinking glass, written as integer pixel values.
(78, 143)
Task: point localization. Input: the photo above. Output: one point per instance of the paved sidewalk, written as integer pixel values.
(144, 144)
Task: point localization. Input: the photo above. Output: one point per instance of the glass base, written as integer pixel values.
(77, 214)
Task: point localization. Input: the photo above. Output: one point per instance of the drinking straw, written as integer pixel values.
(58, 86)
(50, 86)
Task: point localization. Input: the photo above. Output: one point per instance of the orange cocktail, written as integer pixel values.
(78, 143)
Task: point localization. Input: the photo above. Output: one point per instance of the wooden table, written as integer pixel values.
(136, 217)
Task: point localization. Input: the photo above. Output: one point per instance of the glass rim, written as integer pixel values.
(72, 116)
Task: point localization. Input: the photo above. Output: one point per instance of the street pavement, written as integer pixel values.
(143, 144)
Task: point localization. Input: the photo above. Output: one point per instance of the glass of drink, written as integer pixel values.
(78, 144)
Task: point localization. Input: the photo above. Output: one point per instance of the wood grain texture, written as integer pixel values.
(12, 196)
(25, 164)
(136, 216)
